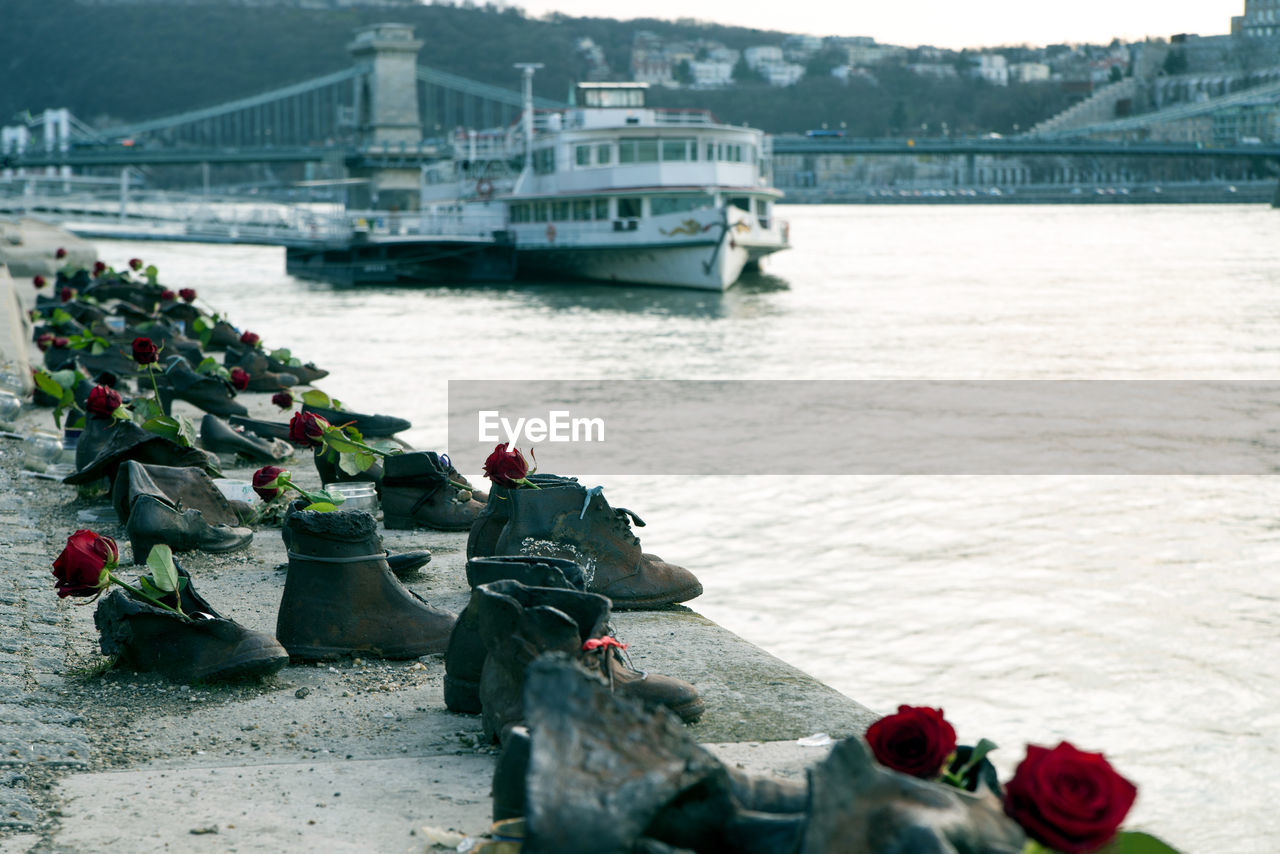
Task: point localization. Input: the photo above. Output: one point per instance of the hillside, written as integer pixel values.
(127, 61)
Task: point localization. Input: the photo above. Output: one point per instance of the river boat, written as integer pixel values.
(611, 190)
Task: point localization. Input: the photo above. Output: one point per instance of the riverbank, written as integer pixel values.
(354, 755)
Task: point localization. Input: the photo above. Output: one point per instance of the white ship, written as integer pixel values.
(612, 190)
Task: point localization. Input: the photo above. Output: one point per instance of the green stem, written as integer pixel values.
(524, 481)
(136, 592)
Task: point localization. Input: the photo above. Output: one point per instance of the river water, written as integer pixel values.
(1131, 615)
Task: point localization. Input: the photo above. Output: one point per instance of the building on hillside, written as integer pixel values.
(1261, 19)
(874, 54)
(768, 62)
(1029, 72)
(993, 68)
(936, 70)
(709, 74)
(800, 48)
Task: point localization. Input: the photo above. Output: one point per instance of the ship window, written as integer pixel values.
(711, 151)
(539, 211)
(742, 203)
(659, 205)
(582, 209)
(582, 155)
(519, 213)
(560, 211)
(602, 208)
(544, 161)
(676, 149)
(604, 154)
(762, 207)
(637, 150)
(629, 207)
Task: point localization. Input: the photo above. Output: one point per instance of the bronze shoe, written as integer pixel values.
(569, 521)
(153, 519)
(417, 492)
(340, 597)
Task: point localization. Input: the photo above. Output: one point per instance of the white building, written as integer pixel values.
(993, 68)
(874, 54)
(936, 70)
(711, 75)
(1029, 72)
(760, 54)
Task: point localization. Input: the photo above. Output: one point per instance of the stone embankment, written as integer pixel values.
(351, 755)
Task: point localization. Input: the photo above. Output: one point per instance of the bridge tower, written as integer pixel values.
(386, 107)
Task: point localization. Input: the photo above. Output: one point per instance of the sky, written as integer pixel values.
(942, 23)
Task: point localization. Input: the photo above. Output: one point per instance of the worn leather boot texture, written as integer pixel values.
(482, 541)
(519, 623)
(184, 487)
(220, 437)
(464, 658)
(370, 426)
(570, 521)
(417, 492)
(205, 647)
(154, 519)
(104, 445)
(211, 393)
(341, 598)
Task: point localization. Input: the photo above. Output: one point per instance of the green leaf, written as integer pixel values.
(321, 507)
(186, 432)
(67, 378)
(281, 355)
(48, 384)
(339, 443)
(164, 573)
(1136, 842)
(150, 589)
(151, 273)
(60, 317)
(315, 397)
(201, 325)
(146, 408)
(165, 425)
(355, 463)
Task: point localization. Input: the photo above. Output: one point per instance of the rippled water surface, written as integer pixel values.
(1132, 615)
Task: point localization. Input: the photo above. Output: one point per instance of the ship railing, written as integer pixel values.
(439, 223)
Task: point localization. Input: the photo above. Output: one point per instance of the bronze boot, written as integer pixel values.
(519, 623)
(340, 597)
(483, 539)
(418, 493)
(464, 659)
(569, 521)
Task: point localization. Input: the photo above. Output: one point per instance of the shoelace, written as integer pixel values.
(621, 515)
(609, 647)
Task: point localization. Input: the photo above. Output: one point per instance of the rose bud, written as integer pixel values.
(66, 294)
(266, 483)
(135, 264)
(81, 569)
(506, 466)
(44, 340)
(39, 282)
(99, 268)
(188, 294)
(103, 401)
(240, 378)
(61, 253)
(167, 295)
(1068, 800)
(307, 429)
(916, 741)
(145, 351)
(61, 343)
(282, 399)
(250, 339)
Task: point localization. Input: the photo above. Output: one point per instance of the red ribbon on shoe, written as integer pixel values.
(602, 643)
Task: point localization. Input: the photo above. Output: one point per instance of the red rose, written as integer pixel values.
(44, 340)
(135, 264)
(250, 339)
(61, 343)
(145, 351)
(264, 482)
(167, 295)
(66, 294)
(306, 429)
(916, 741)
(505, 466)
(282, 399)
(1067, 799)
(103, 401)
(61, 253)
(240, 378)
(39, 282)
(188, 294)
(99, 268)
(81, 569)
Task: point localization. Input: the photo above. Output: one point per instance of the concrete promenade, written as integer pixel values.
(352, 755)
